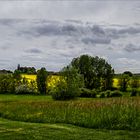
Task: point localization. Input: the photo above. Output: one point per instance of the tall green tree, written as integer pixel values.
(95, 70)
(124, 80)
(41, 80)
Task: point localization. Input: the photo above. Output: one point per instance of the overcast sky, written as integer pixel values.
(50, 33)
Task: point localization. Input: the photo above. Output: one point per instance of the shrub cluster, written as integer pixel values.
(109, 93)
(134, 92)
(11, 84)
(7, 83)
(68, 87)
(60, 92)
(84, 92)
(25, 89)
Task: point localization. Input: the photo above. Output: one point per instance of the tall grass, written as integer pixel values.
(114, 113)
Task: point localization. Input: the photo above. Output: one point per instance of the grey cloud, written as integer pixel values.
(99, 34)
(4, 60)
(10, 22)
(56, 43)
(67, 29)
(98, 30)
(86, 34)
(47, 30)
(132, 48)
(33, 50)
(129, 30)
(96, 40)
(128, 61)
(116, 33)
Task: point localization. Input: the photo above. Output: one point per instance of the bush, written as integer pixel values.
(102, 95)
(114, 88)
(68, 87)
(133, 93)
(116, 94)
(108, 93)
(84, 92)
(60, 92)
(25, 89)
(7, 83)
(94, 93)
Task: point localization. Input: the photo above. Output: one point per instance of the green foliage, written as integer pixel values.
(124, 82)
(135, 82)
(94, 70)
(133, 93)
(60, 91)
(25, 89)
(112, 113)
(108, 93)
(116, 94)
(68, 87)
(17, 75)
(84, 92)
(7, 83)
(41, 80)
(130, 74)
(102, 95)
(27, 70)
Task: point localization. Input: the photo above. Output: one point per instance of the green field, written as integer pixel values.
(39, 117)
(16, 130)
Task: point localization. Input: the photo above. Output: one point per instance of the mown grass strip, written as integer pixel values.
(14, 130)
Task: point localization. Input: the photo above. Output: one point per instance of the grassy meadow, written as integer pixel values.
(110, 118)
(39, 117)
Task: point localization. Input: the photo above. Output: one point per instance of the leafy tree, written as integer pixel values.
(17, 78)
(7, 84)
(124, 81)
(69, 85)
(135, 82)
(130, 74)
(27, 70)
(41, 80)
(95, 70)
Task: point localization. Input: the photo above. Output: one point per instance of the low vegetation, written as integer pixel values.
(84, 94)
(113, 113)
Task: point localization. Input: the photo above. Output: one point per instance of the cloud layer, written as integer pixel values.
(51, 34)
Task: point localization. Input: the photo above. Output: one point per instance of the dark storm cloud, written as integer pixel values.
(132, 48)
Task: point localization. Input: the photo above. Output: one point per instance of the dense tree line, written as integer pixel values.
(85, 76)
(96, 71)
(27, 70)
